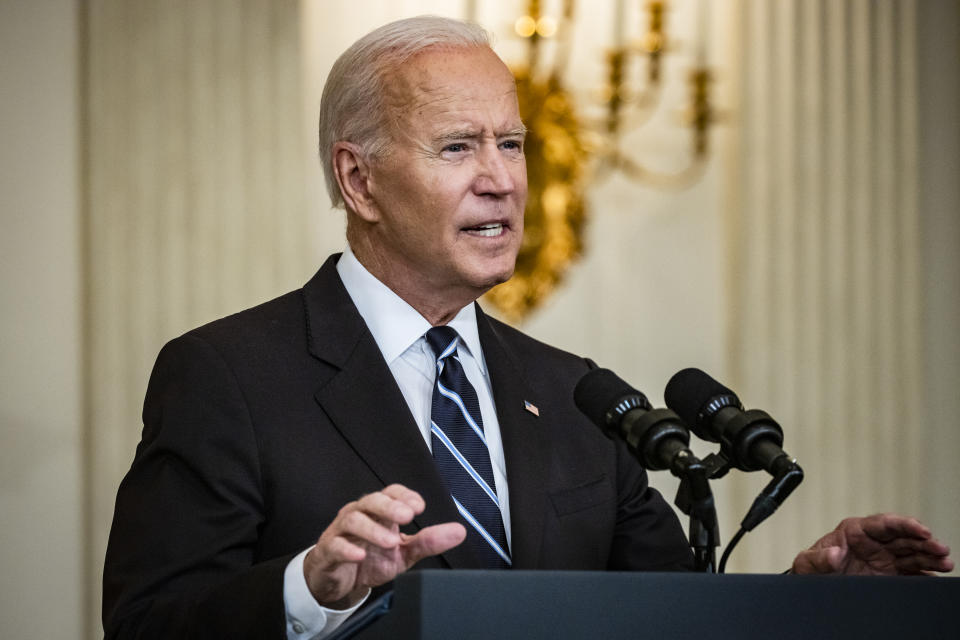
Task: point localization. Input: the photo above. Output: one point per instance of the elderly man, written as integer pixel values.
(302, 453)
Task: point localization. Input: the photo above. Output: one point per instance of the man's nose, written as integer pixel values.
(496, 172)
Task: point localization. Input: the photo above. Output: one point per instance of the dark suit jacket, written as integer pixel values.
(258, 427)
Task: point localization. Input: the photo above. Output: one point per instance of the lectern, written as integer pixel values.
(532, 605)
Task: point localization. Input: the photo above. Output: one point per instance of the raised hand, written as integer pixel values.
(363, 547)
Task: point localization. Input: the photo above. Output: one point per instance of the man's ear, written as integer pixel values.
(352, 170)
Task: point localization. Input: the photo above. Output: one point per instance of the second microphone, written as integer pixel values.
(656, 437)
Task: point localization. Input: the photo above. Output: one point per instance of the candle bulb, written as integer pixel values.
(619, 24)
(703, 32)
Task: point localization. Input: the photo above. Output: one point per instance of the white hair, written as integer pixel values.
(352, 107)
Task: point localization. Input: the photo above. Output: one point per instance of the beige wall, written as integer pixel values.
(41, 535)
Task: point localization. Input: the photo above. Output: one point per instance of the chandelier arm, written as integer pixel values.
(643, 107)
(666, 180)
(533, 39)
(564, 40)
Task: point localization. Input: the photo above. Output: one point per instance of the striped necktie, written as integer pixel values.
(460, 452)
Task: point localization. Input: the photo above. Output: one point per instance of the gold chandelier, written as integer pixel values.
(566, 152)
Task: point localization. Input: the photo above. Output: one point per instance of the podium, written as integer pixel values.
(569, 604)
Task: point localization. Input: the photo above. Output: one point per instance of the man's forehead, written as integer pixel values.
(437, 80)
(439, 58)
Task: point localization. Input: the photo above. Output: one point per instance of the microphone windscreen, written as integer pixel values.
(688, 392)
(599, 391)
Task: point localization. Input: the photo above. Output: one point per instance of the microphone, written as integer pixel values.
(656, 437)
(751, 440)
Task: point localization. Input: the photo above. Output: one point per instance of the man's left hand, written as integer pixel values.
(882, 544)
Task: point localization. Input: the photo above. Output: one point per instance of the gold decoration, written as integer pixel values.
(561, 161)
(554, 218)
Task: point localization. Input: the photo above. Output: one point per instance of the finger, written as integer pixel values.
(430, 541)
(887, 526)
(921, 563)
(385, 508)
(407, 496)
(338, 550)
(359, 525)
(819, 561)
(911, 546)
(329, 569)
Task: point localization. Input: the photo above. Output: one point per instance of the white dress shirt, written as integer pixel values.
(399, 330)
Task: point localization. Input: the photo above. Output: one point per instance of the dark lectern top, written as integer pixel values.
(560, 604)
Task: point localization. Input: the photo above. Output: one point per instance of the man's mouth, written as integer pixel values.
(490, 230)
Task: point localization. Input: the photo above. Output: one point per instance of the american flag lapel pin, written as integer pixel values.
(532, 408)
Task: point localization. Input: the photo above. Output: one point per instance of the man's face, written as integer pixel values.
(452, 187)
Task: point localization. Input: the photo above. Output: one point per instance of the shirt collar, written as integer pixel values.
(394, 324)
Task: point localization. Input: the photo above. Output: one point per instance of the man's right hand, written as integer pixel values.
(364, 548)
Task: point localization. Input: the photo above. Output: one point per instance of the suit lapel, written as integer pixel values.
(525, 445)
(364, 403)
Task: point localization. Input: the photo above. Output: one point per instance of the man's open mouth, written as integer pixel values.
(490, 230)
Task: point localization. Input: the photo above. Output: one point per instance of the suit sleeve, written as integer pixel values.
(648, 535)
(182, 555)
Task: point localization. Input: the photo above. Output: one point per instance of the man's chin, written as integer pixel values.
(483, 274)
(495, 277)
(479, 287)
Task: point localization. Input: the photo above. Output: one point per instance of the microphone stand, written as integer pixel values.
(787, 474)
(659, 441)
(695, 498)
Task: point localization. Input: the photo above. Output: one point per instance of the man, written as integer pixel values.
(296, 456)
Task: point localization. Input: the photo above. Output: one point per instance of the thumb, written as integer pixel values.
(821, 560)
(430, 541)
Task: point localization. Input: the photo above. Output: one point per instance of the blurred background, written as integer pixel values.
(794, 232)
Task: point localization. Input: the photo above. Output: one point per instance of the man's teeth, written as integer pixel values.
(488, 230)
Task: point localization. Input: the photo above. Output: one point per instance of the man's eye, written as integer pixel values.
(456, 147)
(511, 145)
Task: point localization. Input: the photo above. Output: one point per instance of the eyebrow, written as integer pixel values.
(467, 134)
(519, 131)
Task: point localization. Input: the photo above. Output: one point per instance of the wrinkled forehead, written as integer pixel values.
(440, 80)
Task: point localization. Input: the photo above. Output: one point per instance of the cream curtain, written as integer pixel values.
(825, 328)
(195, 201)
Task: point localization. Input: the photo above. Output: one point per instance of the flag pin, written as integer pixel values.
(532, 408)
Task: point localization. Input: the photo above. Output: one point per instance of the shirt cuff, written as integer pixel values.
(306, 619)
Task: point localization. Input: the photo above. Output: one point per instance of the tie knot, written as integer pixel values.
(443, 341)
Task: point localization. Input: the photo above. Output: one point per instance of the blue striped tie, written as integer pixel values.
(461, 455)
